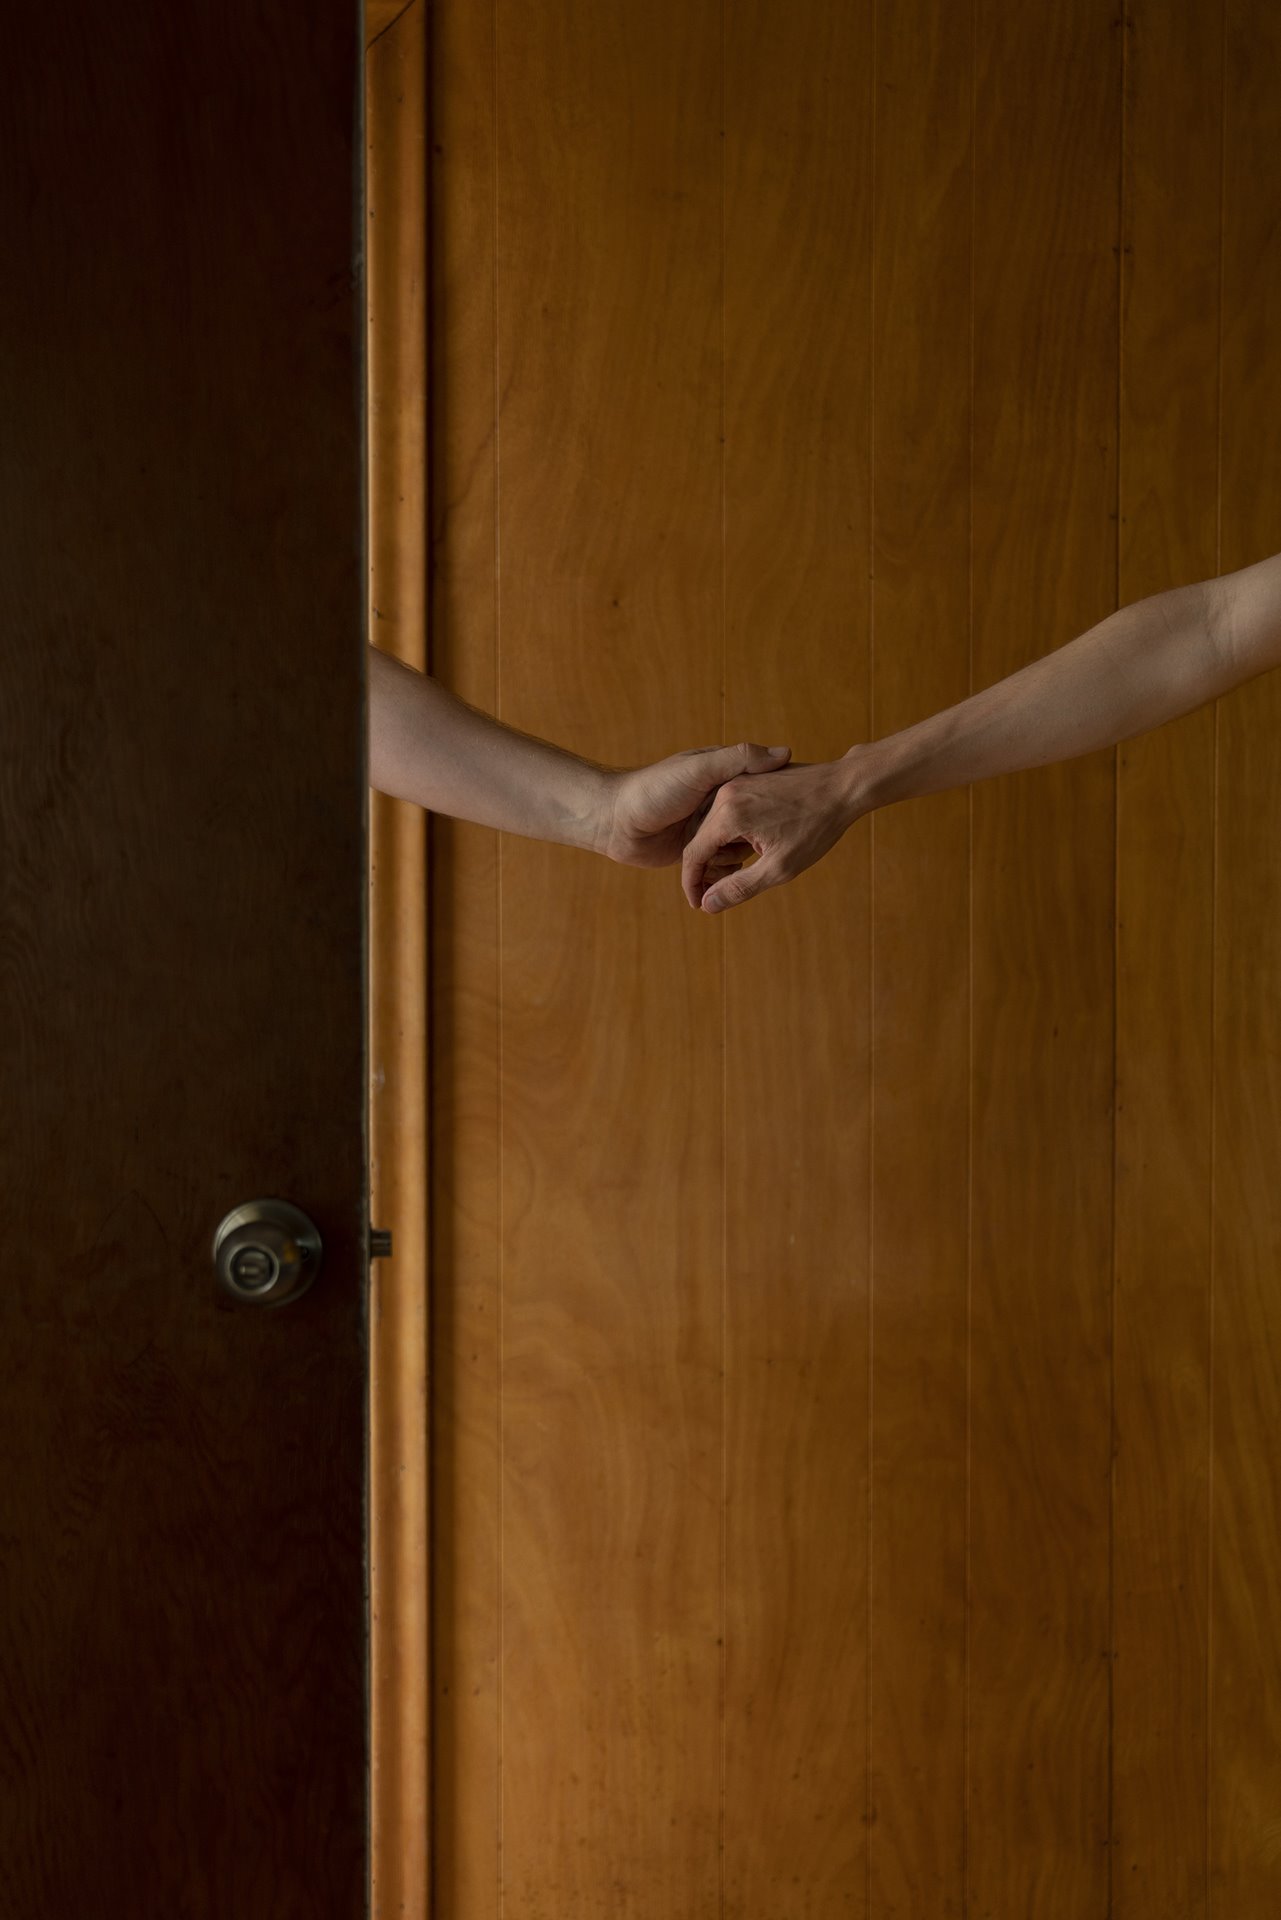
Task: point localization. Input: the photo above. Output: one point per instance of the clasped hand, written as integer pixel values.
(719, 808)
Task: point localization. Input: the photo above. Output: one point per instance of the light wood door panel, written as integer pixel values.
(920, 966)
(466, 989)
(797, 625)
(608, 515)
(1047, 153)
(1164, 1010)
(1245, 1333)
(399, 1349)
(851, 1319)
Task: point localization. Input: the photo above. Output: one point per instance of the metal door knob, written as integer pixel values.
(266, 1252)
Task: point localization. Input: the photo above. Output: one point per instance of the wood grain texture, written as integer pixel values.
(1245, 1637)
(609, 517)
(399, 1458)
(797, 321)
(182, 1017)
(381, 15)
(920, 964)
(1165, 933)
(702, 1261)
(466, 983)
(1047, 159)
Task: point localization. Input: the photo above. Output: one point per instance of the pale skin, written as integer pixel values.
(431, 748)
(1148, 663)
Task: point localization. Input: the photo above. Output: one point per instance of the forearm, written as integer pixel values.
(429, 747)
(1144, 665)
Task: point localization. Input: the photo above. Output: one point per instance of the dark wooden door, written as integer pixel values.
(183, 811)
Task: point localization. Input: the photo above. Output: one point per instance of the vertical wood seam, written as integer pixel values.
(428, 1171)
(969, 1173)
(723, 1650)
(428, 1619)
(1214, 990)
(1116, 988)
(400, 1778)
(871, 964)
(498, 917)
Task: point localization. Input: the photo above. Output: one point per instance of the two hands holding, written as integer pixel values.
(717, 809)
(714, 809)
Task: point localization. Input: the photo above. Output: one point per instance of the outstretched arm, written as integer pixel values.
(1145, 664)
(431, 748)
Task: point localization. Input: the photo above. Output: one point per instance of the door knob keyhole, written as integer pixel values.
(267, 1253)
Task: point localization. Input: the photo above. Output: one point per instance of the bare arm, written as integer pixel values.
(430, 748)
(427, 746)
(1145, 664)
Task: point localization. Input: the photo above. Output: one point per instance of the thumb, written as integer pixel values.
(732, 892)
(725, 763)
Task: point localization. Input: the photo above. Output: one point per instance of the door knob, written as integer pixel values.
(266, 1252)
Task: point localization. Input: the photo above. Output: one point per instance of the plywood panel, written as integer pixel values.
(710, 1574)
(396, 242)
(381, 16)
(1165, 907)
(1047, 127)
(608, 225)
(465, 989)
(1245, 1637)
(798, 236)
(920, 964)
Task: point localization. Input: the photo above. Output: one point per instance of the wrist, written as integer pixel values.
(601, 787)
(867, 777)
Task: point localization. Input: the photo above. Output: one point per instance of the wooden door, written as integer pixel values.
(854, 1397)
(182, 871)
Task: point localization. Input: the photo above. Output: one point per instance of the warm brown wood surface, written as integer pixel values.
(609, 515)
(182, 900)
(853, 1420)
(400, 1579)
(797, 372)
(465, 957)
(380, 16)
(1046, 163)
(1164, 992)
(920, 966)
(1244, 1774)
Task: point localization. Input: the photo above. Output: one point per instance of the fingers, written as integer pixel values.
(743, 886)
(698, 816)
(718, 836)
(720, 764)
(717, 850)
(719, 829)
(758, 759)
(713, 874)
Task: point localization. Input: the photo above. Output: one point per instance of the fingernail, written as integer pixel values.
(712, 905)
(776, 753)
